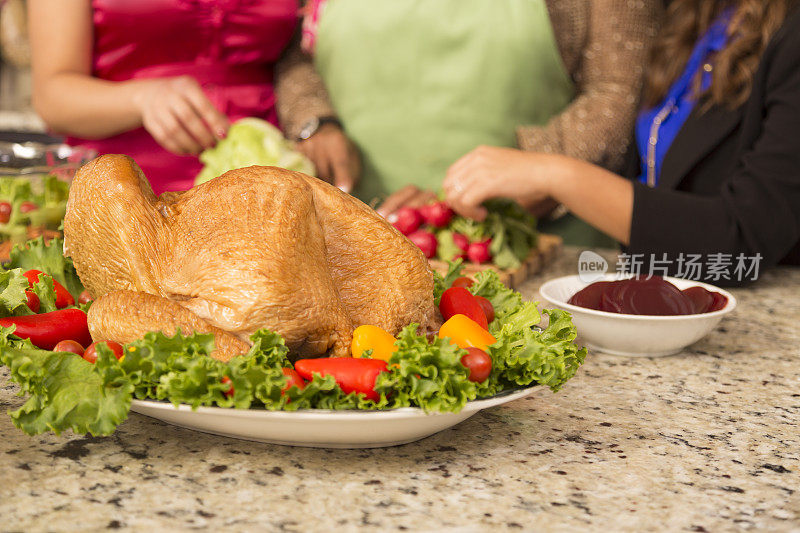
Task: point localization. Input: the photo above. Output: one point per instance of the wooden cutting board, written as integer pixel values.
(547, 248)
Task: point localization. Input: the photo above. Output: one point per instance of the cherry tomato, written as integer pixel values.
(230, 392)
(478, 363)
(27, 207)
(91, 352)
(487, 307)
(464, 282)
(294, 379)
(5, 212)
(69, 346)
(85, 298)
(33, 301)
(459, 301)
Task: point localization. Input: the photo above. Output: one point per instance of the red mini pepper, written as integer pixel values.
(63, 297)
(459, 301)
(351, 373)
(48, 329)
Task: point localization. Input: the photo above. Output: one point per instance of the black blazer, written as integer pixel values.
(730, 182)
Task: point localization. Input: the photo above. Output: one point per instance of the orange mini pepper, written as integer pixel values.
(373, 338)
(466, 333)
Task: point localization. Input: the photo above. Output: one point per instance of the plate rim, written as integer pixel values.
(472, 406)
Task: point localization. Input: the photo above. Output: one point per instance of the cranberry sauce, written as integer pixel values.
(647, 296)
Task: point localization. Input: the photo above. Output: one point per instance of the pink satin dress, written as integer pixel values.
(229, 46)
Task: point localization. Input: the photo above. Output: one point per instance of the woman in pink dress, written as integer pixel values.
(161, 80)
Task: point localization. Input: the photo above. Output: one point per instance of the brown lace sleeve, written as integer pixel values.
(300, 94)
(596, 126)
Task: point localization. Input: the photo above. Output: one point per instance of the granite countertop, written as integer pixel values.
(707, 440)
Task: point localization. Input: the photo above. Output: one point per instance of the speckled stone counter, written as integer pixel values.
(708, 440)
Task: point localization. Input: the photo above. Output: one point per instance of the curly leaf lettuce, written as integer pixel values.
(49, 258)
(13, 301)
(524, 354)
(65, 391)
(49, 195)
(252, 141)
(426, 374)
(442, 283)
(504, 300)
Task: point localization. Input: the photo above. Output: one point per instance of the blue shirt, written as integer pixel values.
(680, 100)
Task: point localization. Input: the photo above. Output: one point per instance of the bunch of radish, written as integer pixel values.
(419, 224)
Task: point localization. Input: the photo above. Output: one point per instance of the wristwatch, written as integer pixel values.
(312, 126)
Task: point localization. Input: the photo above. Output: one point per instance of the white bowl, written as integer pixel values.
(634, 335)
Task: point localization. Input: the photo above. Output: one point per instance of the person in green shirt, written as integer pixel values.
(416, 84)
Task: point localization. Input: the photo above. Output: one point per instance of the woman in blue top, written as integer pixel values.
(714, 174)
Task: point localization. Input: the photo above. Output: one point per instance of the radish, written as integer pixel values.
(408, 220)
(426, 241)
(437, 214)
(478, 252)
(461, 241)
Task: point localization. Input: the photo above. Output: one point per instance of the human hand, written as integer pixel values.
(491, 172)
(179, 115)
(334, 155)
(408, 196)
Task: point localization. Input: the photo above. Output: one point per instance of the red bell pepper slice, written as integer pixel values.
(63, 297)
(459, 301)
(352, 374)
(48, 329)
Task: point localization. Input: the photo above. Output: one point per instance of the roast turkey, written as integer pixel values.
(258, 247)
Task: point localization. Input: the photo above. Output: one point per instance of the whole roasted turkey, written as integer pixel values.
(258, 247)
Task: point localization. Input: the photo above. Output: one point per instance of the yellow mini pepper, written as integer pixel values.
(373, 338)
(466, 333)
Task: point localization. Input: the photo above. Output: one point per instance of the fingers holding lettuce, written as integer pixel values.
(179, 115)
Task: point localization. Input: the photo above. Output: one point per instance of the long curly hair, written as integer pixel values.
(752, 25)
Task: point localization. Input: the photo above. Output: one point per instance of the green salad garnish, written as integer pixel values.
(67, 392)
(42, 205)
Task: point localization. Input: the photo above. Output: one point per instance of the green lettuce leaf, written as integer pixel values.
(524, 354)
(442, 283)
(447, 250)
(45, 289)
(13, 301)
(471, 229)
(51, 202)
(504, 300)
(511, 228)
(49, 258)
(426, 374)
(252, 141)
(48, 193)
(272, 347)
(65, 391)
